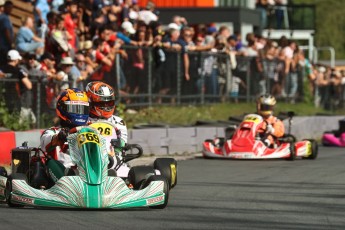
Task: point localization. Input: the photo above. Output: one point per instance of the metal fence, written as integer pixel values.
(158, 78)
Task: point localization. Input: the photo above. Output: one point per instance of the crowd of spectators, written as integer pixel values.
(69, 43)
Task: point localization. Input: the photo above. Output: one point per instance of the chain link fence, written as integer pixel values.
(153, 76)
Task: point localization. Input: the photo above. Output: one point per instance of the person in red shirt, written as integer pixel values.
(274, 128)
(48, 67)
(69, 24)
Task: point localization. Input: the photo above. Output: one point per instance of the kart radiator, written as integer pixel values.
(20, 161)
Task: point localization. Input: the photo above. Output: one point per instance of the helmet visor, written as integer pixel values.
(264, 107)
(77, 107)
(104, 105)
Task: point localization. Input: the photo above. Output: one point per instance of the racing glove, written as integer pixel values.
(269, 129)
(62, 135)
(267, 142)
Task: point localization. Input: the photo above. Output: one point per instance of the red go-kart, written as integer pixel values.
(247, 143)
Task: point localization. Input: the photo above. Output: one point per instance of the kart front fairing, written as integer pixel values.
(92, 188)
(73, 192)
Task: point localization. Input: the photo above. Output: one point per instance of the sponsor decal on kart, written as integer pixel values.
(154, 200)
(23, 199)
(241, 155)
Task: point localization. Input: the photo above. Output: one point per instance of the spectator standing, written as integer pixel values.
(159, 59)
(236, 82)
(12, 70)
(209, 68)
(6, 31)
(41, 11)
(174, 46)
(59, 42)
(27, 41)
(89, 54)
(127, 30)
(189, 87)
(2, 3)
(50, 88)
(69, 24)
(80, 72)
(62, 76)
(147, 15)
(223, 33)
(290, 84)
(256, 85)
(19, 98)
(279, 11)
(139, 80)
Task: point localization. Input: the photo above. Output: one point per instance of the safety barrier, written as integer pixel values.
(177, 140)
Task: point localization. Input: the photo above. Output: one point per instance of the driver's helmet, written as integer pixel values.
(265, 105)
(72, 107)
(101, 98)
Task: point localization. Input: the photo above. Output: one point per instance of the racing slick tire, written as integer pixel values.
(138, 174)
(314, 149)
(168, 169)
(3, 171)
(8, 189)
(166, 189)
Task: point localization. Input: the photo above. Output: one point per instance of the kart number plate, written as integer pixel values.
(254, 119)
(87, 137)
(104, 129)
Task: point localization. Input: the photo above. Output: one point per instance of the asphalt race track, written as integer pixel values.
(222, 194)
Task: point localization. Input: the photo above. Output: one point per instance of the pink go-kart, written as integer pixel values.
(335, 137)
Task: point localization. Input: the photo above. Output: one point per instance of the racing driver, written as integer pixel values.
(72, 108)
(275, 127)
(102, 106)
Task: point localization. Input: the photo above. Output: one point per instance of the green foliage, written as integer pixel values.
(10, 121)
(330, 23)
(120, 109)
(188, 115)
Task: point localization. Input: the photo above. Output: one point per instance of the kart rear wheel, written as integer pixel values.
(168, 169)
(314, 149)
(138, 174)
(8, 189)
(165, 190)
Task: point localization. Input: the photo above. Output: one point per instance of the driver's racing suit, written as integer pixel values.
(276, 130)
(57, 151)
(119, 123)
(60, 163)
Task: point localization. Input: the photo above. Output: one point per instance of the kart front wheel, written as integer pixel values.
(8, 189)
(314, 149)
(165, 190)
(168, 169)
(138, 174)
